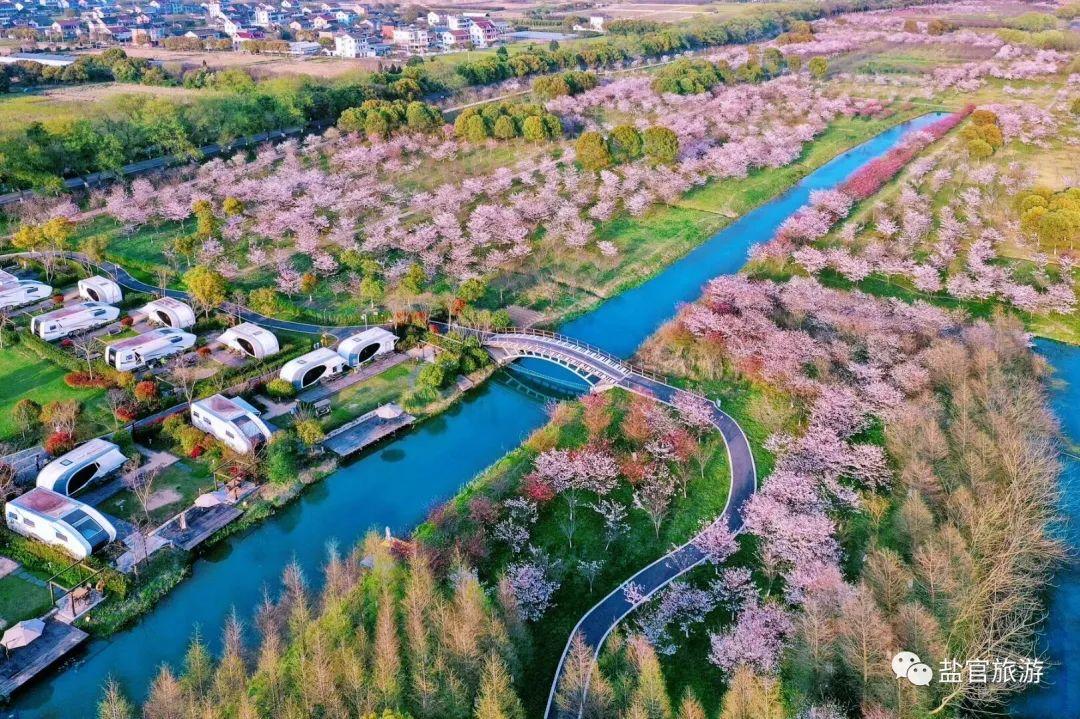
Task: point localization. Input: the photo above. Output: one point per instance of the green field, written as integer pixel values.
(24, 375)
(66, 104)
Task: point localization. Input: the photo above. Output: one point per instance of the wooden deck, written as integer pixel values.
(23, 664)
(201, 523)
(365, 430)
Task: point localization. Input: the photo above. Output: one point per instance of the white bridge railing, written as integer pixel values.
(564, 341)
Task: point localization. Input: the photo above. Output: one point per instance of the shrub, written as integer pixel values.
(309, 431)
(82, 380)
(279, 388)
(173, 424)
(189, 438)
(979, 149)
(282, 466)
(58, 443)
(146, 391)
(127, 413)
(127, 321)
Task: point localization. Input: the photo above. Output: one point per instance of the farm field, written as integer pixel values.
(259, 65)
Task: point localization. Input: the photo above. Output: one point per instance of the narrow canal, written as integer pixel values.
(398, 483)
(1059, 694)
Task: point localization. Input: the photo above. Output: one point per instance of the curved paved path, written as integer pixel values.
(595, 626)
(606, 370)
(593, 364)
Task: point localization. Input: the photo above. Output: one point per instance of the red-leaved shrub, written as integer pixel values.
(59, 442)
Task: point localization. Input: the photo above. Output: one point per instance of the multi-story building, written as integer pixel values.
(413, 40)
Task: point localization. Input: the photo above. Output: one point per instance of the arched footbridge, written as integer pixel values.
(603, 370)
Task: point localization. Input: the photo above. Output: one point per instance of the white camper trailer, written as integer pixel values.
(22, 292)
(170, 312)
(308, 369)
(137, 352)
(100, 289)
(363, 346)
(61, 521)
(72, 319)
(7, 280)
(82, 466)
(250, 339)
(231, 420)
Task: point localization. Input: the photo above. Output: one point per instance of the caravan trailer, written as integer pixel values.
(170, 312)
(312, 367)
(88, 463)
(61, 521)
(100, 289)
(72, 319)
(22, 292)
(136, 352)
(231, 420)
(251, 340)
(366, 345)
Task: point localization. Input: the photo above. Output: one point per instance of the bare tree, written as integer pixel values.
(6, 322)
(183, 376)
(115, 398)
(85, 346)
(141, 484)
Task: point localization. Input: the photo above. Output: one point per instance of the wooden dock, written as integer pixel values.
(367, 429)
(23, 664)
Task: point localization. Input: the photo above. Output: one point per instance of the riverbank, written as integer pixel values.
(396, 484)
(668, 233)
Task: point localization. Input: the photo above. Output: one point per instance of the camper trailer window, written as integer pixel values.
(61, 537)
(28, 522)
(12, 517)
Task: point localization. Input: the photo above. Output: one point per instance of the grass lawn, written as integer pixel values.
(174, 489)
(24, 375)
(369, 394)
(20, 599)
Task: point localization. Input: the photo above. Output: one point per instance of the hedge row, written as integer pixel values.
(55, 561)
